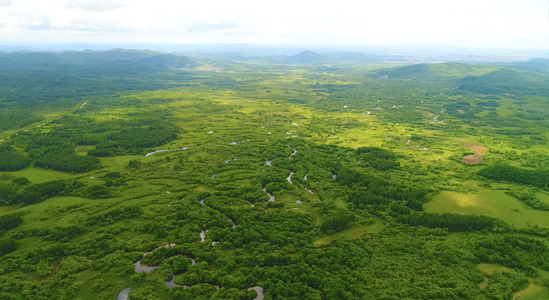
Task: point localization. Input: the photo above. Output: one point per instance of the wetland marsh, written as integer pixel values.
(260, 179)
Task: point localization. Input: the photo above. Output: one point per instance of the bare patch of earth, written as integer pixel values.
(474, 158)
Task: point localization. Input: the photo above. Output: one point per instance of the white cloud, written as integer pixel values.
(6, 3)
(499, 23)
(95, 5)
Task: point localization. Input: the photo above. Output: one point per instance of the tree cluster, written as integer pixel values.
(537, 178)
(454, 222)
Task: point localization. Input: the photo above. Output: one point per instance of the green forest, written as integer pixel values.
(145, 175)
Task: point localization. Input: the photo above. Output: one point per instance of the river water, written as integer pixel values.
(289, 178)
(123, 295)
(142, 268)
(172, 284)
(203, 235)
(167, 150)
(293, 153)
(258, 290)
(271, 197)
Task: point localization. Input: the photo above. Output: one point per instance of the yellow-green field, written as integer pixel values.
(355, 233)
(491, 203)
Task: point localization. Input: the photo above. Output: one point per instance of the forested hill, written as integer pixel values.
(116, 59)
(521, 78)
(534, 65)
(48, 83)
(438, 71)
(35, 79)
(507, 81)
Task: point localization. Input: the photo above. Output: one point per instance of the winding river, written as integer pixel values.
(172, 284)
(271, 197)
(142, 268)
(139, 268)
(258, 290)
(293, 153)
(124, 294)
(167, 150)
(230, 220)
(203, 235)
(289, 178)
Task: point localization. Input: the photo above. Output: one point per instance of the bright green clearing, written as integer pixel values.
(355, 233)
(495, 204)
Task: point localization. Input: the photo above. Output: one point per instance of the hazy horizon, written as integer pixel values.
(491, 24)
(487, 54)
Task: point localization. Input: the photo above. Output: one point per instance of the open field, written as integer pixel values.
(355, 233)
(495, 204)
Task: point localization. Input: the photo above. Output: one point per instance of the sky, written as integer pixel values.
(514, 24)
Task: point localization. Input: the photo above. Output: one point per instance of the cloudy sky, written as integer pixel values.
(469, 23)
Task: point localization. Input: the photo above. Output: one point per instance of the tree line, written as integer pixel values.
(537, 178)
(37, 192)
(454, 222)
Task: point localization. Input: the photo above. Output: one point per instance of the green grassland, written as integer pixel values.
(379, 205)
(492, 203)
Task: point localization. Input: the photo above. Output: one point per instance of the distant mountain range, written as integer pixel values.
(112, 60)
(33, 78)
(529, 77)
(308, 56)
(533, 65)
(435, 71)
(518, 78)
(509, 82)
